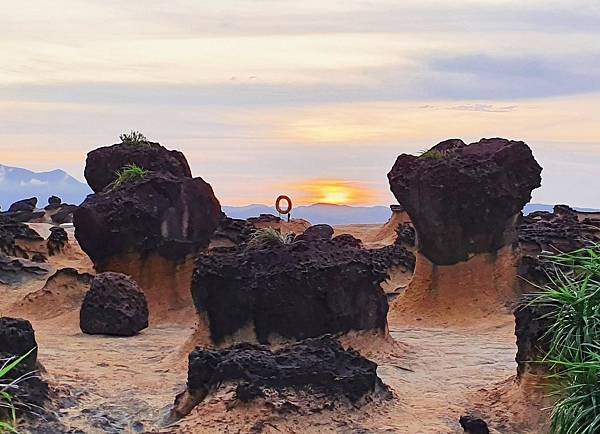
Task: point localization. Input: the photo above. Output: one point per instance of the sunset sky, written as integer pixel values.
(310, 98)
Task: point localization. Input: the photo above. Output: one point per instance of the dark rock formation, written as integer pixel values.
(299, 290)
(473, 425)
(316, 232)
(320, 367)
(57, 240)
(160, 214)
(64, 214)
(406, 235)
(114, 305)
(393, 255)
(265, 218)
(531, 326)
(14, 271)
(53, 203)
(26, 216)
(17, 338)
(235, 231)
(11, 231)
(560, 231)
(463, 199)
(102, 163)
(24, 205)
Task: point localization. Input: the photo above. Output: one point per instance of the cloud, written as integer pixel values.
(33, 182)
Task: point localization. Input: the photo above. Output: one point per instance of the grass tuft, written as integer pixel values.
(127, 175)
(133, 138)
(433, 154)
(268, 237)
(572, 300)
(7, 387)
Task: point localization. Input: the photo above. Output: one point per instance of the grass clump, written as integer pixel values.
(8, 412)
(268, 237)
(133, 138)
(127, 175)
(433, 154)
(572, 302)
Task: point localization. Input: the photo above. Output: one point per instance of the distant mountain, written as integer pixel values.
(319, 213)
(17, 184)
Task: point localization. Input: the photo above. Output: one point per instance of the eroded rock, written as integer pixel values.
(463, 199)
(316, 232)
(11, 231)
(299, 290)
(161, 214)
(57, 240)
(14, 271)
(114, 305)
(319, 367)
(531, 328)
(102, 164)
(27, 205)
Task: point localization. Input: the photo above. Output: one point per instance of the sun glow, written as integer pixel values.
(333, 191)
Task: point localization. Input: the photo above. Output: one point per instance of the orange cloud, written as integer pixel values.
(335, 191)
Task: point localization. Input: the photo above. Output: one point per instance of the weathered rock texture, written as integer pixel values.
(161, 214)
(62, 214)
(563, 230)
(14, 271)
(316, 232)
(319, 367)
(11, 231)
(114, 305)
(57, 240)
(531, 327)
(299, 290)
(463, 199)
(102, 163)
(232, 232)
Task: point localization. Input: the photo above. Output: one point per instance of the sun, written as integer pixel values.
(335, 194)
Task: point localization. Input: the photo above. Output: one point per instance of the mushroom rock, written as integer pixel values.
(298, 290)
(463, 199)
(27, 205)
(57, 240)
(151, 229)
(102, 163)
(319, 367)
(114, 305)
(53, 203)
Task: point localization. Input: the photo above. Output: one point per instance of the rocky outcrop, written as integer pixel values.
(464, 199)
(14, 271)
(63, 214)
(316, 232)
(11, 231)
(17, 338)
(27, 205)
(114, 305)
(318, 367)
(563, 230)
(102, 163)
(531, 327)
(161, 214)
(53, 203)
(232, 232)
(298, 290)
(57, 240)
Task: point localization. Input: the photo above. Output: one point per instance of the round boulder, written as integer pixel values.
(317, 232)
(114, 305)
(16, 339)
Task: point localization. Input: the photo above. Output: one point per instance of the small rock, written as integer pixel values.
(473, 425)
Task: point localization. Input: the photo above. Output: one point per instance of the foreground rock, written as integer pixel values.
(102, 163)
(17, 338)
(463, 199)
(318, 367)
(114, 305)
(299, 290)
(161, 214)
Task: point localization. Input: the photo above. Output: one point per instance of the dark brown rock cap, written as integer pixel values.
(463, 199)
(102, 163)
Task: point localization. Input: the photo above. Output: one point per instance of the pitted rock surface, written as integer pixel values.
(14, 271)
(160, 214)
(57, 240)
(463, 199)
(102, 164)
(235, 230)
(317, 232)
(114, 305)
(12, 230)
(319, 366)
(299, 290)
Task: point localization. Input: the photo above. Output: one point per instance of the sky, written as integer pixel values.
(314, 99)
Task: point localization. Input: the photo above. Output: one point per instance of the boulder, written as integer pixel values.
(298, 290)
(102, 164)
(114, 305)
(317, 232)
(463, 199)
(24, 205)
(57, 240)
(473, 425)
(17, 338)
(318, 367)
(161, 214)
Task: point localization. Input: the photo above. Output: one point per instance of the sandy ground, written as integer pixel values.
(436, 372)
